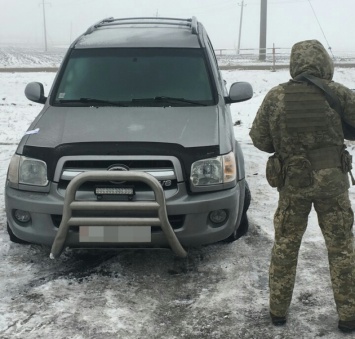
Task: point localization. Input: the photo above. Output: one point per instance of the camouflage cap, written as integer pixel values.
(310, 56)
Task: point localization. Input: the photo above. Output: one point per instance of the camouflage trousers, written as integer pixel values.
(335, 218)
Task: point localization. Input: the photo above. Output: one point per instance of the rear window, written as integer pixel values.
(128, 75)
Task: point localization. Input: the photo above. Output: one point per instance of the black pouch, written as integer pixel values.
(299, 172)
(274, 172)
(347, 164)
(346, 161)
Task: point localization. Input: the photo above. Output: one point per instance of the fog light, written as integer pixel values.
(22, 216)
(218, 216)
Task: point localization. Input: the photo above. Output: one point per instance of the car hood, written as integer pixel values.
(186, 126)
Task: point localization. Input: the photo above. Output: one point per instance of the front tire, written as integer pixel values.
(13, 237)
(243, 227)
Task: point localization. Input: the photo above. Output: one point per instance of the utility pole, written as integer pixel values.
(44, 27)
(263, 16)
(240, 24)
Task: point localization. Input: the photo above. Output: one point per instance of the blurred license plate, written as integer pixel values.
(115, 234)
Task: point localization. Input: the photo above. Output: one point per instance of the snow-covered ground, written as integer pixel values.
(12, 57)
(221, 291)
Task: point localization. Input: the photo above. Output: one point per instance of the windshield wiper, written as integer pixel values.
(170, 100)
(94, 101)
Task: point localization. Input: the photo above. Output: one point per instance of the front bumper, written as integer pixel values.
(196, 228)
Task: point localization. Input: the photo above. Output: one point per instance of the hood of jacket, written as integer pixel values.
(311, 57)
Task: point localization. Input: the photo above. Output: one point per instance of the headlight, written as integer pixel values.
(214, 171)
(12, 172)
(27, 171)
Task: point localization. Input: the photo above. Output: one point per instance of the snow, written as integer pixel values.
(11, 57)
(221, 291)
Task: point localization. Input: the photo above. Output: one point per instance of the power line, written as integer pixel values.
(330, 49)
(210, 9)
(278, 2)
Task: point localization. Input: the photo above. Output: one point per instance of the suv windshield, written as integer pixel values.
(135, 77)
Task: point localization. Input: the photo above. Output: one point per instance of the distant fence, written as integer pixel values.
(250, 56)
(275, 57)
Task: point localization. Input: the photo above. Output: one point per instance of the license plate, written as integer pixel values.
(115, 234)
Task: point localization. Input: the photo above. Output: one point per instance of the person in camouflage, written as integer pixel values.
(297, 124)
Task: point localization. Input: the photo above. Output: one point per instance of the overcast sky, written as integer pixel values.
(330, 21)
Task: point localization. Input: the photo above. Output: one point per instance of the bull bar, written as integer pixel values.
(71, 204)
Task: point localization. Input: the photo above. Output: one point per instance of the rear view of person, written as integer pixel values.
(300, 124)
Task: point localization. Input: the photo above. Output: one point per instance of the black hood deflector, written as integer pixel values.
(186, 155)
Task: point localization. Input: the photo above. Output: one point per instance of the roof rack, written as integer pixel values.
(98, 24)
(192, 22)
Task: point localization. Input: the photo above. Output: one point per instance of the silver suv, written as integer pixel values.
(134, 146)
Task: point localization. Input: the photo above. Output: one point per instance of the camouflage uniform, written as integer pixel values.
(308, 141)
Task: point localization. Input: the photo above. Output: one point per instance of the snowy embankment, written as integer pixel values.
(221, 291)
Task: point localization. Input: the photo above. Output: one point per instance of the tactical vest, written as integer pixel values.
(305, 108)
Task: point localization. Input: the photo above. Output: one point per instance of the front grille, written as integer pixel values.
(104, 164)
(163, 170)
(90, 186)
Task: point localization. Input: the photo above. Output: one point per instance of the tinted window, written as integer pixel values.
(122, 75)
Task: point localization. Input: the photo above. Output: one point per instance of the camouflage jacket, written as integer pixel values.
(269, 132)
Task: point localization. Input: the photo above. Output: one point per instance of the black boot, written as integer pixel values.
(278, 321)
(346, 326)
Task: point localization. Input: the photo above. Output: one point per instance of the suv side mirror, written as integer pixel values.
(238, 92)
(34, 91)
